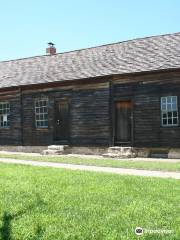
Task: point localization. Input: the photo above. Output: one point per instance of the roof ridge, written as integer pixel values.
(98, 46)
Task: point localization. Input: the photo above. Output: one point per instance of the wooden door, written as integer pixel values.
(61, 121)
(123, 123)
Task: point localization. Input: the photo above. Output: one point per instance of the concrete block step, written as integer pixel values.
(52, 152)
(174, 153)
(56, 150)
(121, 152)
(58, 147)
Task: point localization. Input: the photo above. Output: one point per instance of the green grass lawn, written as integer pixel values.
(54, 204)
(164, 166)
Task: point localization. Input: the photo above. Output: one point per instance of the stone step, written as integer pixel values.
(58, 147)
(121, 152)
(56, 150)
(52, 152)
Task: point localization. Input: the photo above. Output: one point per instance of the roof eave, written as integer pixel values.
(91, 80)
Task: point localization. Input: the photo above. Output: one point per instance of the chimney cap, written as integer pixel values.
(50, 44)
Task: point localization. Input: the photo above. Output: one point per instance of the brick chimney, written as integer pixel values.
(51, 50)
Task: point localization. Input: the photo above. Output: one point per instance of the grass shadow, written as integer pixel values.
(5, 230)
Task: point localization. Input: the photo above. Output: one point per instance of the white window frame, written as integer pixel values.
(4, 114)
(169, 111)
(41, 113)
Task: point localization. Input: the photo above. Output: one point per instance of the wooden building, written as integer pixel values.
(125, 94)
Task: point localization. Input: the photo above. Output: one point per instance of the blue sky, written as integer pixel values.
(26, 26)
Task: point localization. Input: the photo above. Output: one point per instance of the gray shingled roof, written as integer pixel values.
(145, 54)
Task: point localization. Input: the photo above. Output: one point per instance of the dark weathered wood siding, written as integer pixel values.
(91, 111)
(12, 135)
(146, 92)
(90, 119)
(88, 115)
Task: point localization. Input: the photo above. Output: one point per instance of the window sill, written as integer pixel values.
(4, 128)
(170, 127)
(42, 129)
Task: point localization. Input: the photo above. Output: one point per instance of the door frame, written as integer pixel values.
(56, 101)
(131, 142)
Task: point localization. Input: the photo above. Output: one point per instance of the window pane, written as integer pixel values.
(168, 99)
(164, 115)
(163, 107)
(45, 116)
(169, 121)
(174, 99)
(175, 114)
(169, 108)
(163, 100)
(169, 114)
(175, 121)
(174, 106)
(45, 109)
(164, 121)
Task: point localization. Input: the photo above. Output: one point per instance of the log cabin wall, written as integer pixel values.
(88, 115)
(90, 119)
(146, 91)
(12, 135)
